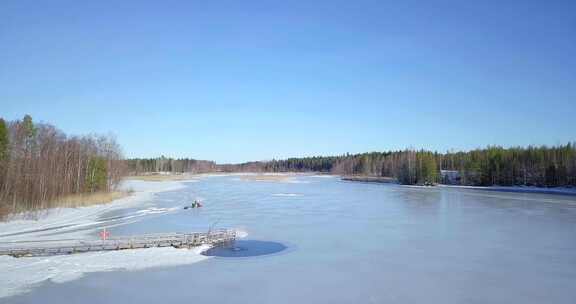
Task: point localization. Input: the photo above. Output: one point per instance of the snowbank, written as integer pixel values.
(68, 221)
(19, 275)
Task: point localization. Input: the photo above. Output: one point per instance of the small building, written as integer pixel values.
(450, 177)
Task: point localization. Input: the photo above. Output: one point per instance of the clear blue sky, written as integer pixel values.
(236, 80)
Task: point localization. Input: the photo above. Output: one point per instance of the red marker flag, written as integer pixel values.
(104, 234)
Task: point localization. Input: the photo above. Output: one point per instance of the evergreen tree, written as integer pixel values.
(429, 169)
(29, 130)
(4, 155)
(96, 175)
(4, 143)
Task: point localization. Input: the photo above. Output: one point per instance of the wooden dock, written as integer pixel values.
(61, 247)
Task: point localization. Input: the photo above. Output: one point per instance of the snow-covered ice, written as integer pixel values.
(19, 275)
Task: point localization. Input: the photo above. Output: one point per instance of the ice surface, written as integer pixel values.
(349, 243)
(19, 275)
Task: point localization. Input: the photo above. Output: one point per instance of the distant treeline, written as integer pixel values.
(39, 164)
(531, 166)
(137, 166)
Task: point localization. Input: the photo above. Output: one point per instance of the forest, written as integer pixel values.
(40, 164)
(530, 166)
(138, 166)
(541, 166)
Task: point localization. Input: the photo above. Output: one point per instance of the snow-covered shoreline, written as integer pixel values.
(518, 189)
(19, 275)
(31, 226)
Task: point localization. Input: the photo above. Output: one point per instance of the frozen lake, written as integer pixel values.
(345, 242)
